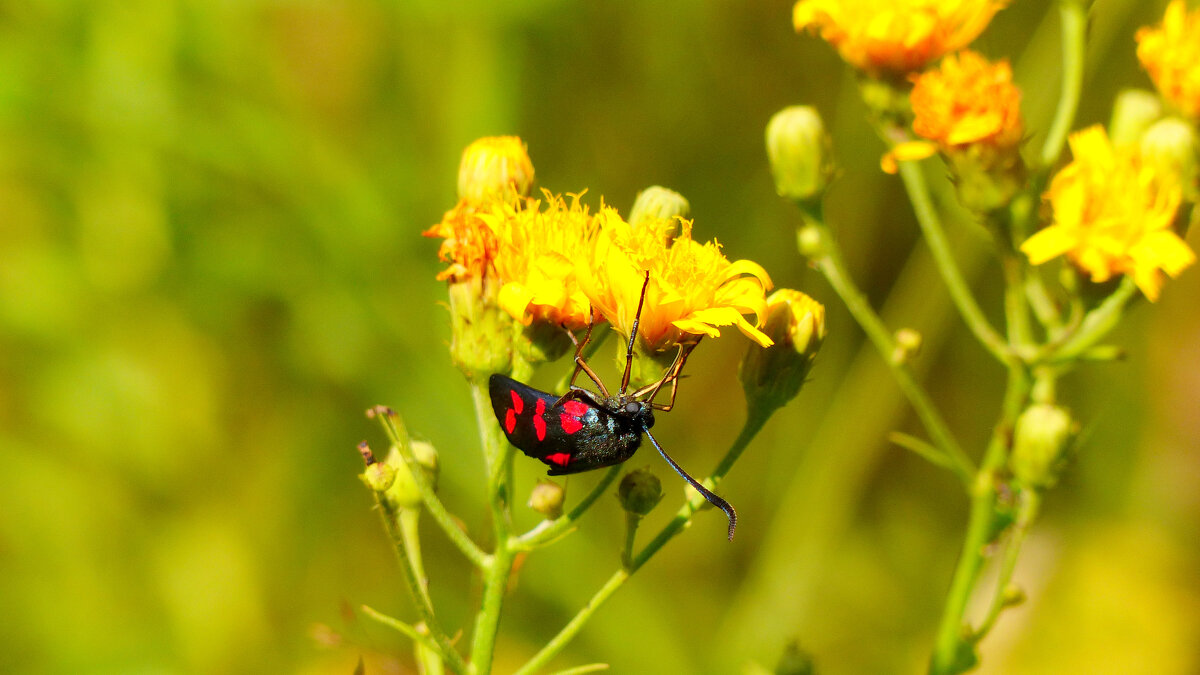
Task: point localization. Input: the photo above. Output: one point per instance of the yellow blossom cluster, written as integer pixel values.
(1113, 214)
(558, 263)
(1170, 52)
(897, 36)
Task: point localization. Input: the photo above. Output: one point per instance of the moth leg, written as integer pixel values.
(576, 393)
(581, 363)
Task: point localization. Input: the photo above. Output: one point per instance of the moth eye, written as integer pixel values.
(633, 407)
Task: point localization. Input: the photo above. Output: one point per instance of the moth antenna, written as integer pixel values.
(637, 316)
(708, 494)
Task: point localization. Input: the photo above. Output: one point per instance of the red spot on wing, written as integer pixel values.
(539, 423)
(510, 421)
(559, 458)
(518, 404)
(572, 411)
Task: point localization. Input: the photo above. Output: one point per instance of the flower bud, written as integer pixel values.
(494, 167)
(403, 493)
(772, 376)
(1170, 145)
(1133, 112)
(800, 153)
(481, 334)
(1041, 444)
(639, 492)
(658, 203)
(908, 345)
(378, 476)
(547, 499)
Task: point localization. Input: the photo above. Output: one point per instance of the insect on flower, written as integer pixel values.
(581, 430)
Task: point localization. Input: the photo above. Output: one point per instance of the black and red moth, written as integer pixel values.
(581, 430)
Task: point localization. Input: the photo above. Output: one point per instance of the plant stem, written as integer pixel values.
(953, 635)
(498, 456)
(398, 435)
(830, 264)
(913, 177)
(1096, 324)
(755, 420)
(413, 579)
(550, 530)
(1074, 26)
(1026, 514)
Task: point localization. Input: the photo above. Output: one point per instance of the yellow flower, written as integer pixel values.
(895, 35)
(1171, 54)
(537, 257)
(469, 244)
(968, 100)
(1113, 215)
(693, 287)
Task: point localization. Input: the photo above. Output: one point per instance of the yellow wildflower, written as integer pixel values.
(537, 256)
(693, 287)
(895, 35)
(492, 169)
(1170, 53)
(1113, 215)
(968, 100)
(469, 244)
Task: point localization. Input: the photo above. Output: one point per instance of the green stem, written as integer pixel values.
(487, 621)
(410, 536)
(498, 454)
(413, 580)
(755, 420)
(931, 227)
(953, 635)
(1073, 15)
(391, 622)
(829, 262)
(398, 435)
(1026, 514)
(632, 520)
(1095, 325)
(550, 530)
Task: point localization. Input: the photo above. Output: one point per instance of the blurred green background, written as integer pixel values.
(210, 265)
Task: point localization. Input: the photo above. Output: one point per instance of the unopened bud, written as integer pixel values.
(378, 476)
(1041, 443)
(1170, 145)
(772, 376)
(427, 458)
(908, 345)
(800, 153)
(639, 492)
(1133, 112)
(403, 493)
(658, 203)
(494, 167)
(547, 499)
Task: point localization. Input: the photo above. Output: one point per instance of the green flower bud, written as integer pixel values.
(639, 492)
(800, 153)
(772, 376)
(496, 166)
(547, 499)
(658, 203)
(1041, 444)
(403, 493)
(378, 476)
(481, 334)
(1133, 112)
(1170, 145)
(908, 345)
